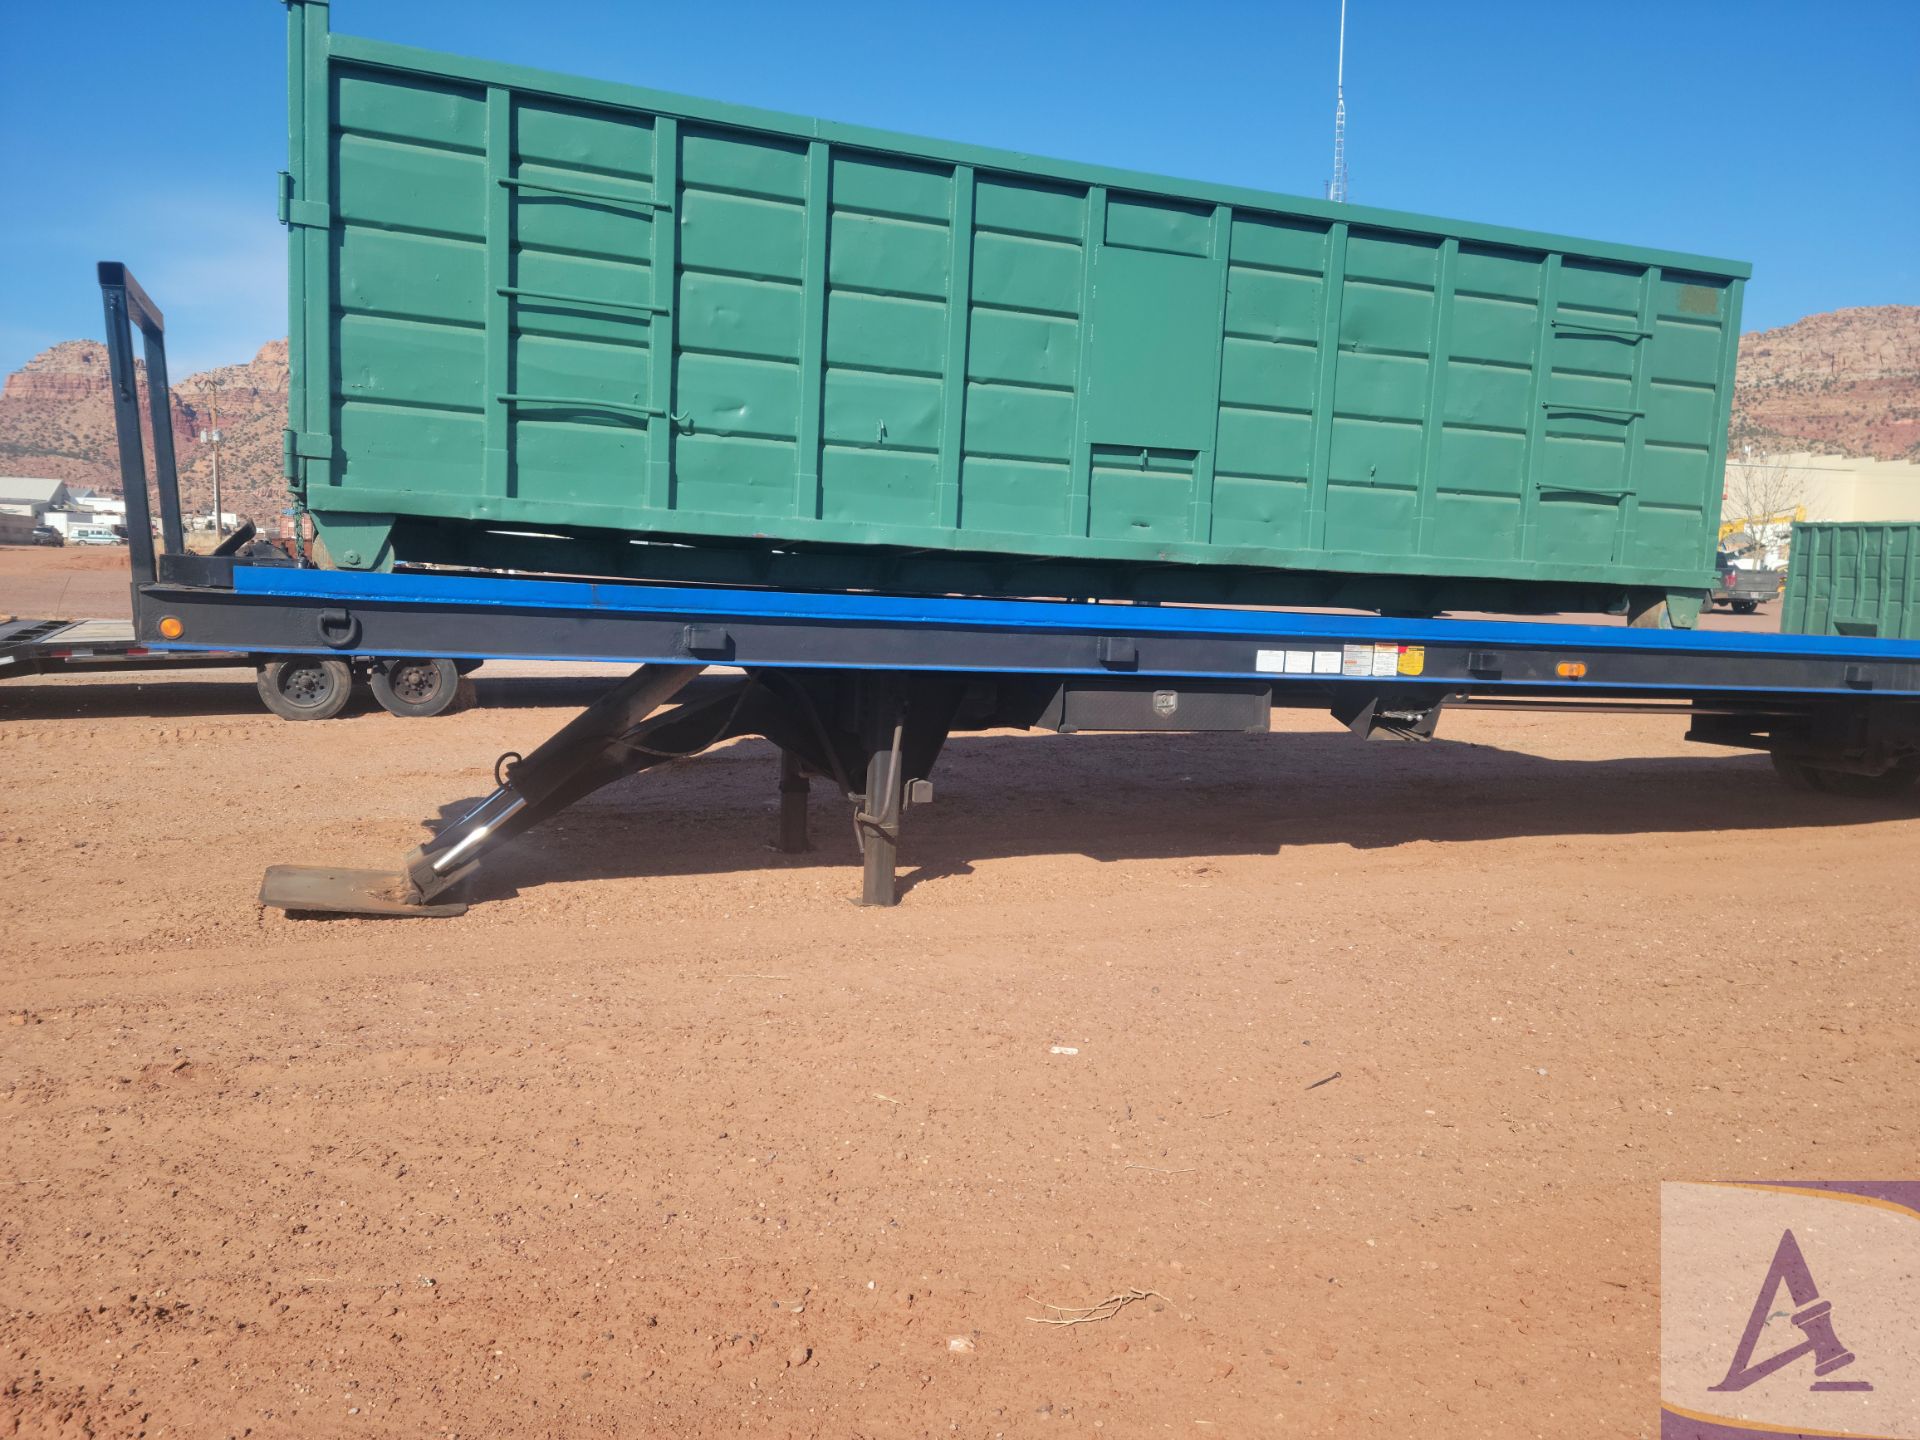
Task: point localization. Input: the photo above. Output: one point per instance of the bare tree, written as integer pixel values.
(1764, 495)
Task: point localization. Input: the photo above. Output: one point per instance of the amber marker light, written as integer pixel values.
(172, 629)
(1571, 669)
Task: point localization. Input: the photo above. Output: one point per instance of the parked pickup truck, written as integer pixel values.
(1742, 590)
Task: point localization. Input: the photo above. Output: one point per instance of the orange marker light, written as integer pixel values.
(1571, 669)
(171, 627)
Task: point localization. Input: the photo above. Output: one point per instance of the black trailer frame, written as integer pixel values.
(864, 689)
(93, 647)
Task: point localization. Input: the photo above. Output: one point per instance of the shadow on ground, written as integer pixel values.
(1134, 797)
(234, 694)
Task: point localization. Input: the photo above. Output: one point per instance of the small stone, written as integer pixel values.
(1223, 1369)
(18, 1017)
(960, 1345)
(798, 1356)
(1121, 1347)
(903, 1298)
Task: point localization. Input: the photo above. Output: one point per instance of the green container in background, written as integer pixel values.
(547, 323)
(1846, 579)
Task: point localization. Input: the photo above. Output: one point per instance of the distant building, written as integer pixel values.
(25, 495)
(1849, 487)
(104, 508)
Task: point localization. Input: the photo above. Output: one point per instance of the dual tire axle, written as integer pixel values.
(318, 687)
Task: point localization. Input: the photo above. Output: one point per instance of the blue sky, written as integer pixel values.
(1781, 133)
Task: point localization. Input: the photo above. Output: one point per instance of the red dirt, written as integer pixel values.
(666, 1137)
(71, 582)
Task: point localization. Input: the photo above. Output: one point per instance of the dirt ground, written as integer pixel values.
(1361, 1064)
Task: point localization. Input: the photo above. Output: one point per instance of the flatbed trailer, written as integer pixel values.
(863, 689)
(292, 687)
(84, 647)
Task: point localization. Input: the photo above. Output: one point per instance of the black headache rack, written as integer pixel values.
(863, 690)
(128, 308)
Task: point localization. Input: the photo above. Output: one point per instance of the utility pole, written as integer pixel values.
(1337, 187)
(211, 436)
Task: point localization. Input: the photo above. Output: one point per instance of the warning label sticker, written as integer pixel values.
(1356, 661)
(1413, 660)
(1308, 662)
(1386, 659)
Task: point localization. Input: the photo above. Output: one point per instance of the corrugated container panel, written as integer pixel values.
(1854, 579)
(534, 302)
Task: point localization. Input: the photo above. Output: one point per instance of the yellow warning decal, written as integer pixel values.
(1413, 659)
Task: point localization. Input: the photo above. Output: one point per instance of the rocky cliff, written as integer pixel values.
(56, 419)
(1846, 382)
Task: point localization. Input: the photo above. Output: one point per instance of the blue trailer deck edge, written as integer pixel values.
(962, 635)
(481, 592)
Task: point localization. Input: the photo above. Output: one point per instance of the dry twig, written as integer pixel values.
(1156, 1170)
(1090, 1314)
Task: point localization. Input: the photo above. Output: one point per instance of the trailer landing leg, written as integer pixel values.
(877, 820)
(619, 733)
(890, 727)
(790, 834)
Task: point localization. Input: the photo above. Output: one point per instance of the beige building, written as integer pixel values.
(1843, 487)
(1765, 494)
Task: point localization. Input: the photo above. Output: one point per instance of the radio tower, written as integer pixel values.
(1337, 187)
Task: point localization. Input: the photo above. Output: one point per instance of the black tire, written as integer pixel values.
(305, 687)
(1650, 615)
(1745, 607)
(411, 687)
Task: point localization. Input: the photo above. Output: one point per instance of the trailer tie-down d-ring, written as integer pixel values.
(892, 727)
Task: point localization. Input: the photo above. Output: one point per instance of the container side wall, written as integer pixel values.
(1857, 580)
(538, 308)
(1269, 371)
(1026, 347)
(743, 325)
(407, 329)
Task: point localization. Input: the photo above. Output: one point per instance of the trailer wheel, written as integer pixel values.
(305, 687)
(1643, 614)
(1888, 785)
(415, 686)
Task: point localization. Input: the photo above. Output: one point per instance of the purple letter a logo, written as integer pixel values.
(1814, 1318)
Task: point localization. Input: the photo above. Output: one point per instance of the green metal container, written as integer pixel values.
(683, 339)
(1845, 579)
